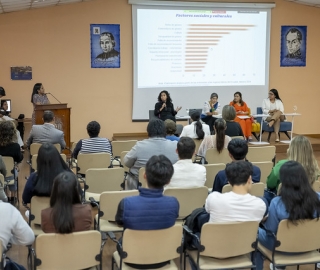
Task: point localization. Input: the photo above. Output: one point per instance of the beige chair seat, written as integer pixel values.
(171, 266)
(108, 226)
(215, 263)
(96, 196)
(282, 258)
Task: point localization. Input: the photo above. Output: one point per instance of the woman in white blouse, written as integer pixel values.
(273, 106)
(196, 129)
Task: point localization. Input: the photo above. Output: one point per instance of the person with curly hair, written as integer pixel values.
(164, 108)
(11, 149)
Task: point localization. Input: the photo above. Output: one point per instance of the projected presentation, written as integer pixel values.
(179, 48)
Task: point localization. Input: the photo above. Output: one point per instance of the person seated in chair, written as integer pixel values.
(171, 129)
(186, 173)
(151, 210)
(46, 133)
(95, 144)
(238, 149)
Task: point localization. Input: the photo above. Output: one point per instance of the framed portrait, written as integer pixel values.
(19, 73)
(293, 46)
(105, 45)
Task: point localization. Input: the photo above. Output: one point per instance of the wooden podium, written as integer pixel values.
(62, 116)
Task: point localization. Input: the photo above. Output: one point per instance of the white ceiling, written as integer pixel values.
(16, 5)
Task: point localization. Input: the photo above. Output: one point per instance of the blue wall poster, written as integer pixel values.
(21, 73)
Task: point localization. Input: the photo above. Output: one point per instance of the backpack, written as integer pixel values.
(194, 221)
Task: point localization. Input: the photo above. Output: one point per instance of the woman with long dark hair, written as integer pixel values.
(9, 148)
(49, 165)
(273, 106)
(242, 110)
(297, 202)
(218, 141)
(196, 129)
(164, 108)
(66, 213)
(38, 97)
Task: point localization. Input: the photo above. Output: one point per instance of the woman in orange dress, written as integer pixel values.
(242, 110)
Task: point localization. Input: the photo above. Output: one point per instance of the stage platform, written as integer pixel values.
(280, 147)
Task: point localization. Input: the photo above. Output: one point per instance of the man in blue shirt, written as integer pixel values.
(238, 149)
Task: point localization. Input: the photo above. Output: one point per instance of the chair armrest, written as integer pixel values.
(93, 201)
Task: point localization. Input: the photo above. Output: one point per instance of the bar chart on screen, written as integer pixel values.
(201, 48)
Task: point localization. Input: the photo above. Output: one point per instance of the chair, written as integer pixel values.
(77, 250)
(34, 148)
(303, 238)
(316, 186)
(142, 181)
(213, 156)
(92, 161)
(149, 247)
(34, 161)
(120, 146)
(3, 256)
(37, 204)
(265, 168)
(284, 126)
(105, 219)
(212, 170)
(218, 249)
(261, 153)
(197, 142)
(152, 116)
(188, 198)
(11, 176)
(122, 155)
(100, 180)
(257, 189)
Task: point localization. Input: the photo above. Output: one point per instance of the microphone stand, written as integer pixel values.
(54, 97)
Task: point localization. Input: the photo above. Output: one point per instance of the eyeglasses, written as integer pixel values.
(271, 94)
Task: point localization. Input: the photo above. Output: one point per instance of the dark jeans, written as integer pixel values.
(209, 120)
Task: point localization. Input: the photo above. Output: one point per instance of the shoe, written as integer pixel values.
(271, 267)
(277, 140)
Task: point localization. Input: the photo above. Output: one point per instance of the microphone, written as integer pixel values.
(165, 107)
(53, 97)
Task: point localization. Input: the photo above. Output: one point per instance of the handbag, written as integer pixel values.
(11, 265)
(255, 127)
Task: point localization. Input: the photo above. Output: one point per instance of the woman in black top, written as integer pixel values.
(233, 128)
(164, 108)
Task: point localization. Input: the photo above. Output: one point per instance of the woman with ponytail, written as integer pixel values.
(219, 141)
(196, 130)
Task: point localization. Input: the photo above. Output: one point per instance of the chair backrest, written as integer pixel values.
(259, 111)
(74, 144)
(91, 161)
(306, 233)
(197, 142)
(212, 170)
(106, 179)
(120, 146)
(2, 256)
(143, 181)
(141, 249)
(279, 189)
(316, 186)
(123, 153)
(77, 250)
(34, 148)
(213, 156)
(257, 189)
(188, 198)
(151, 115)
(265, 168)
(9, 163)
(191, 111)
(219, 238)
(109, 202)
(237, 137)
(36, 206)
(34, 160)
(261, 153)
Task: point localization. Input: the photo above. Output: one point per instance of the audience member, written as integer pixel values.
(138, 156)
(11, 149)
(94, 144)
(66, 213)
(217, 141)
(297, 202)
(300, 150)
(196, 129)
(171, 129)
(49, 165)
(46, 133)
(151, 210)
(186, 173)
(233, 128)
(17, 138)
(14, 229)
(238, 204)
(238, 149)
